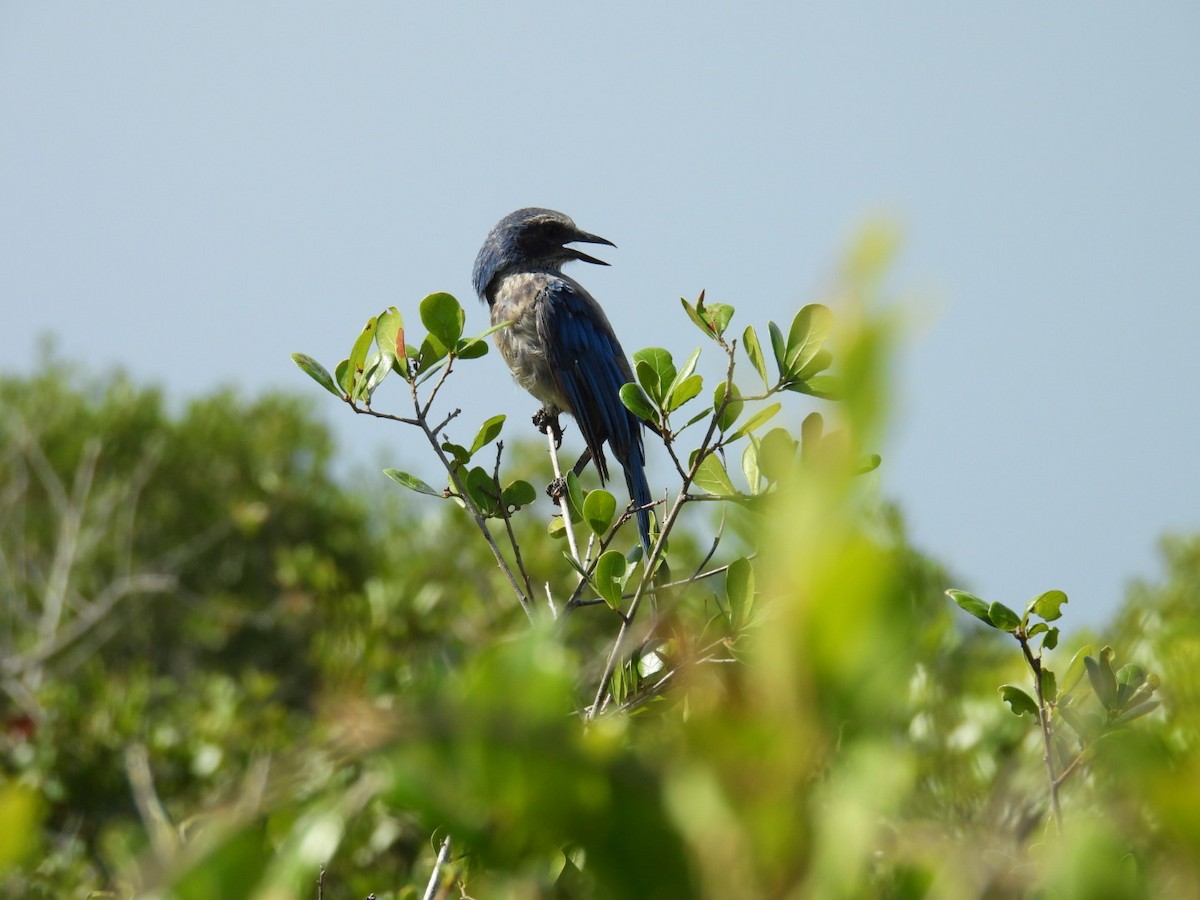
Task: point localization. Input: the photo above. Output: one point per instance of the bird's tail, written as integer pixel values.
(639, 491)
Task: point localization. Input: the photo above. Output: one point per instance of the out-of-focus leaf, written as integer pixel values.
(1049, 685)
(316, 372)
(750, 465)
(1075, 668)
(868, 463)
(1100, 674)
(739, 589)
(1020, 702)
(488, 432)
(777, 454)
(411, 482)
(599, 507)
(609, 577)
(443, 316)
(1136, 712)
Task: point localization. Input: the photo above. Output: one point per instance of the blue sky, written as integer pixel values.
(194, 191)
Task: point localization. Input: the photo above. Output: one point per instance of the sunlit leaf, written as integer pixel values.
(638, 403)
(444, 318)
(684, 391)
(1002, 617)
(655, 370)
(761, 417)
(755, 354)
(727, 414)
(411, 482)
(345, 377)
(971, 603)
(750, 465)
(389, 333)
(599, 507)
(823, 387)
(316, 372)
(1047, 605)
(488, 432)
(810, 329)
(712, 477)
(609, 577)
(362, 345)
(695, 316)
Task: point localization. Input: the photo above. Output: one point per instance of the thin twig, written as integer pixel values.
(431, 890)
(564, 501)
(1035, 665)
(512, 538)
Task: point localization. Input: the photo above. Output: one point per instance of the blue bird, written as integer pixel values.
(560, 346)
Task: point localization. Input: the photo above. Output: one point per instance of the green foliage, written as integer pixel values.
(226, 675)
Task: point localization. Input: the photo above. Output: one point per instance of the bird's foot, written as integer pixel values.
(557, 489)
(547, 423)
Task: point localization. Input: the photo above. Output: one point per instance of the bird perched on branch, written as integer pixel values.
(560, 346)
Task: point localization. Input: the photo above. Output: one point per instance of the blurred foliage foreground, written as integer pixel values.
(225, 675)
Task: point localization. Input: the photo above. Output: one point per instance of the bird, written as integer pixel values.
(559, 345)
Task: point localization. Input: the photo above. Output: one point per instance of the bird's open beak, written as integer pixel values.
(584, 238)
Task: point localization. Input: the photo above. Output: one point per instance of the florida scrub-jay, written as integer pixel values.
(560, 346)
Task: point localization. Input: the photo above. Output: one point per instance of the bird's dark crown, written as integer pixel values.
(531, 238)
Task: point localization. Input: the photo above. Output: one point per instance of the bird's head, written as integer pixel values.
(530, 238)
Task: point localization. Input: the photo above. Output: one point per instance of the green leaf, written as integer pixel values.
(750, 466)
(1020, 702)
(1002, 617)
(733, 407)
(1049, 686)
(683, 391)
(376, 370)
(823, 387)
(868, 463)
(695, 316)
(712, 477)
(488, 432)
(358, 355)
(1075, 668)
(575, 496)
(777, 454)
(638, 403)
(608, 578)
(432, 352)
(1100, 674)
(316, 372)
(1050, 641)
(1047, 605)
(739, 589)
(1136, 712)
(759, 418)
(718, 316)
(518, 494)
(779, 348)
(411, 482)
(810, 329)
(444, 318)
(755, 354)
(819, 363)
(484, 491)
(460, 453)
(389, 334)
(971, 604)
(345, 377)
(599, 507)
(655, 370)
(471, 348)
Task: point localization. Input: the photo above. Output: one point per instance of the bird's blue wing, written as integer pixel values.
(589, 367)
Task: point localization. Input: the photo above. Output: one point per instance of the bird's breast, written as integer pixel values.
(521, 343)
